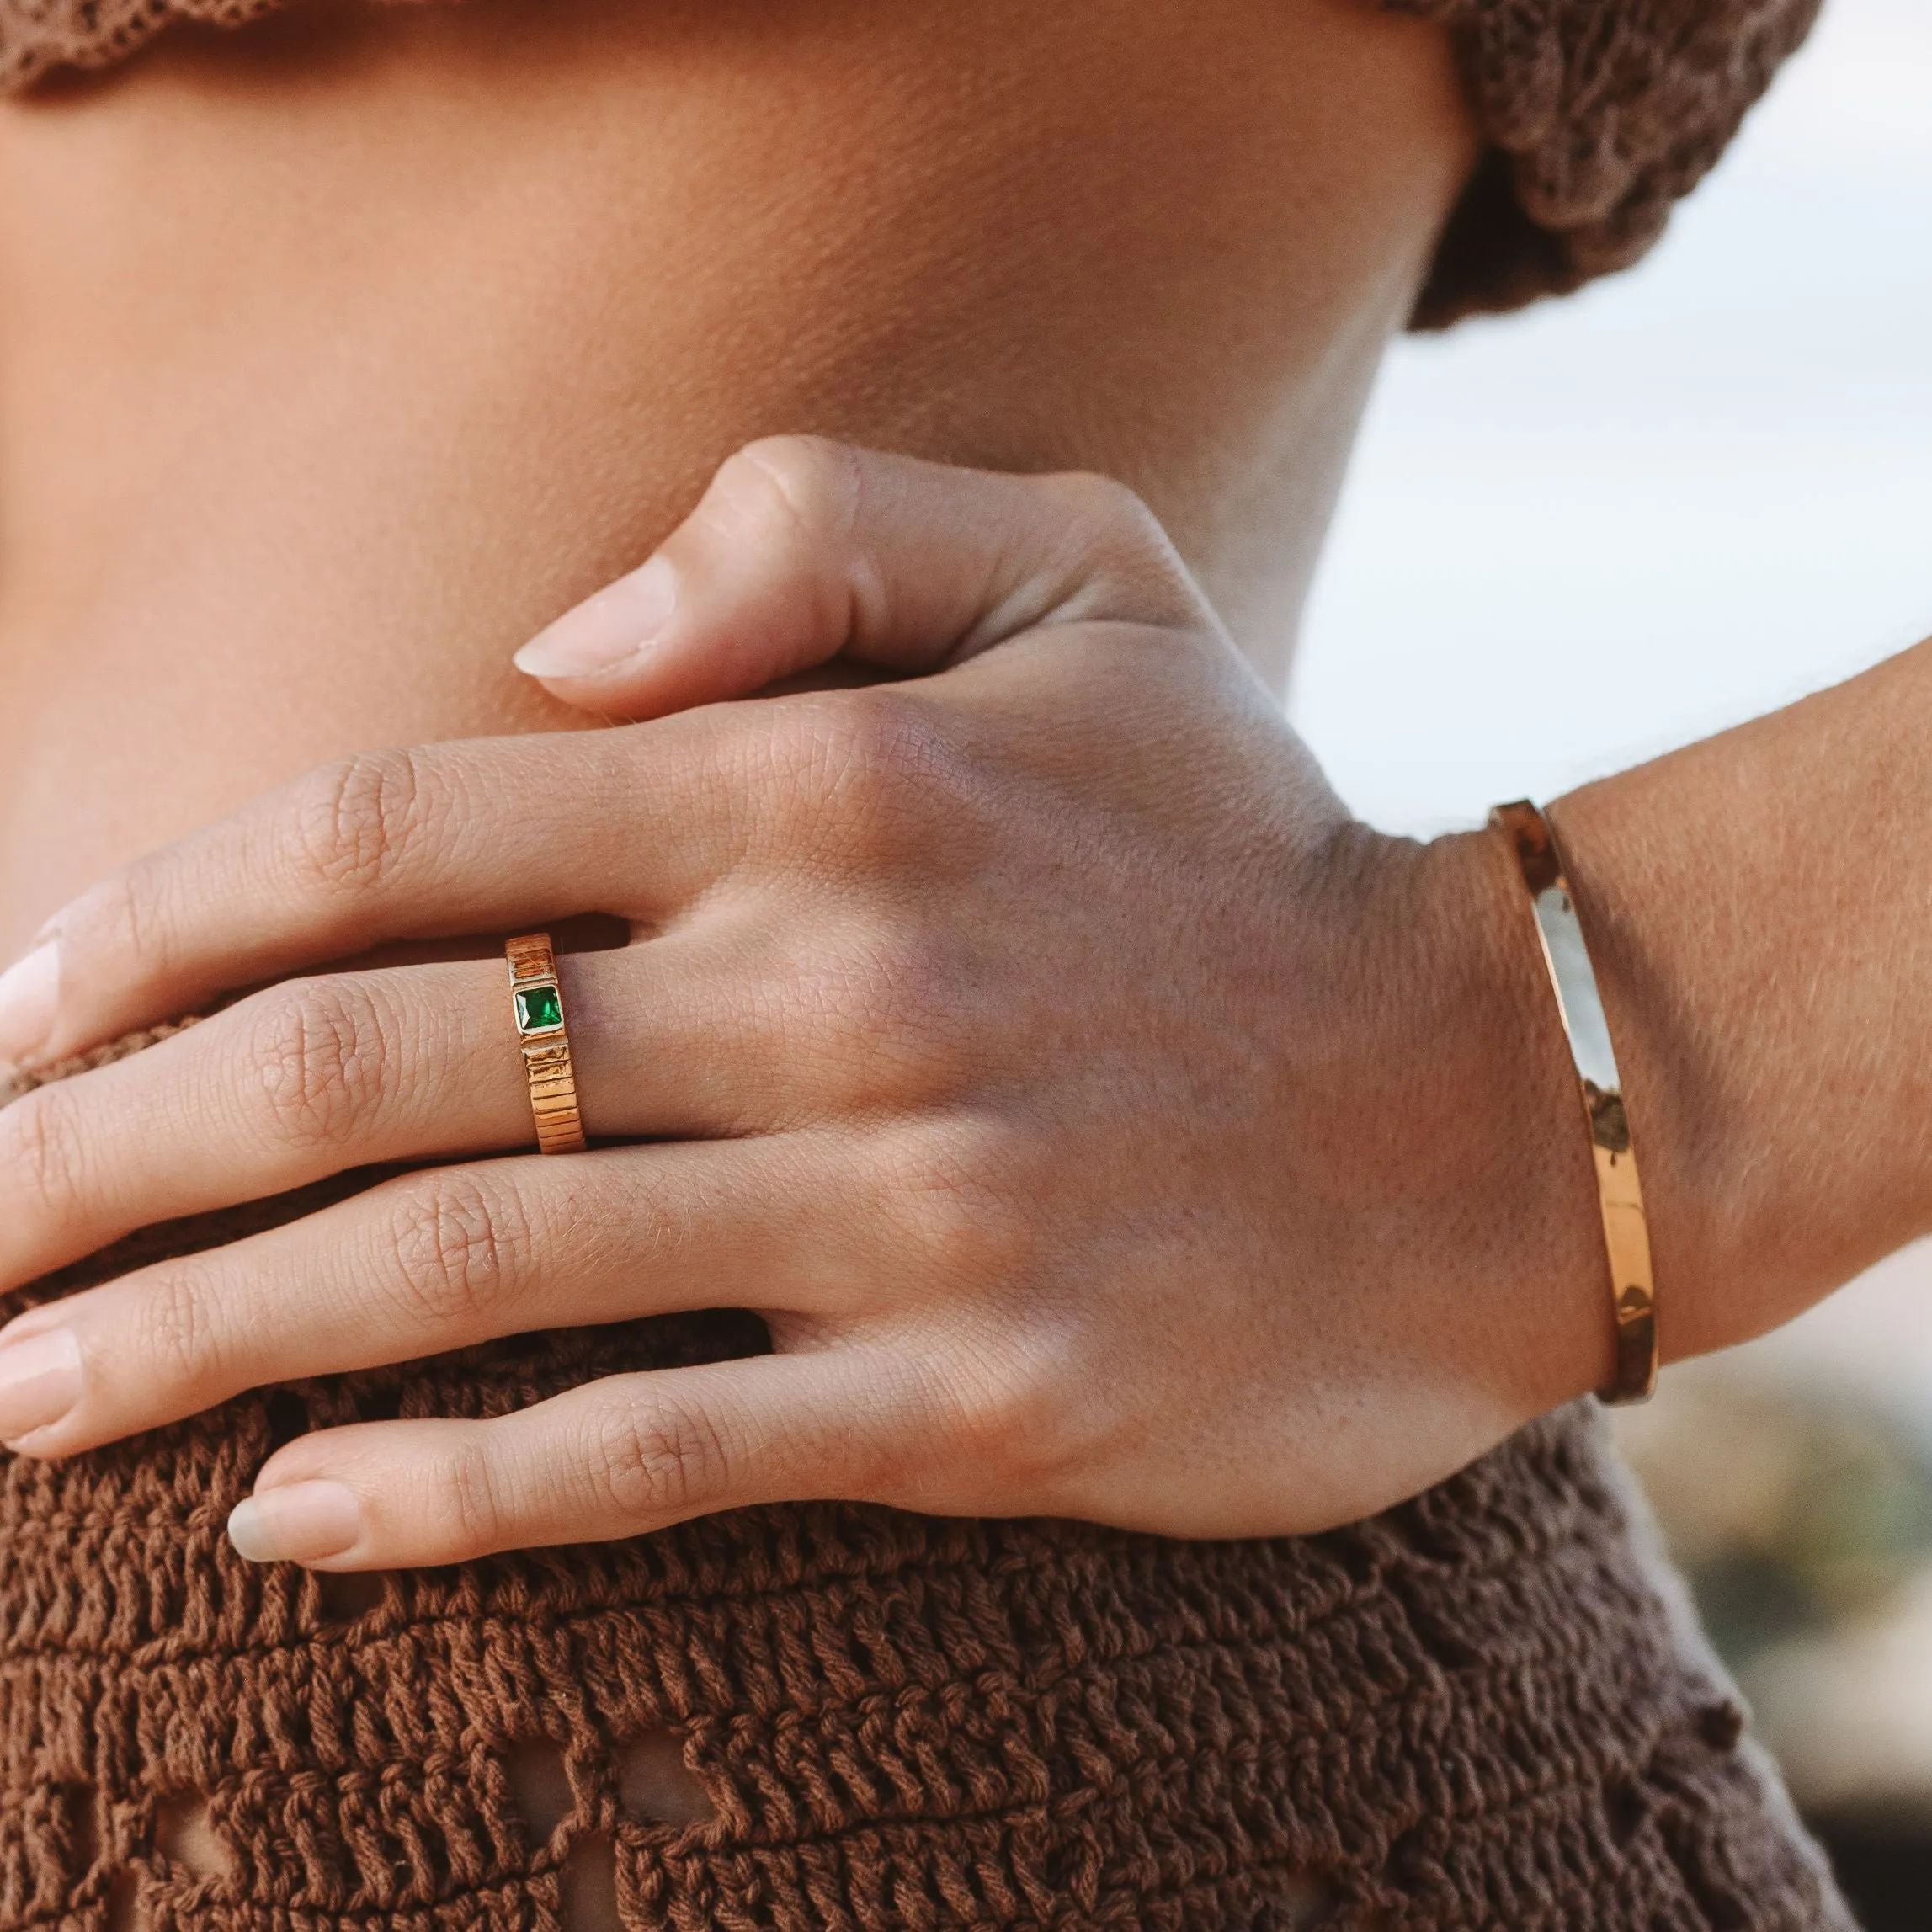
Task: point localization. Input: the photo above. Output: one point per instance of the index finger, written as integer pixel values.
(426, 843)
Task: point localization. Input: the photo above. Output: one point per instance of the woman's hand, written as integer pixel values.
(1104, 1124)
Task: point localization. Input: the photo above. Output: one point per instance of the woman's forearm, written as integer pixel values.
(1758, 908)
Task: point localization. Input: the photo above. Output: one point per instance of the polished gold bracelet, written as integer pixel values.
(1579, 1005)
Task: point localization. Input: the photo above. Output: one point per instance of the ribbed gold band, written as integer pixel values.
(1626, 1233)
(536, 1002)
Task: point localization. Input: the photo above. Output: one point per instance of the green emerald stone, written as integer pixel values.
(538, 1009)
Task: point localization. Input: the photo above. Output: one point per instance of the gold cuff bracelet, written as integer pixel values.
(537, 1006)
(1626, 1234)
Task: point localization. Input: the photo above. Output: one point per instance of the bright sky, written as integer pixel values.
(1574, 538)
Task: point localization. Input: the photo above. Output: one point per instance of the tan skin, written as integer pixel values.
(1105, 1125)
(338, 356)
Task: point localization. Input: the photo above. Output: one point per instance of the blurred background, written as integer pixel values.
(1578, 537)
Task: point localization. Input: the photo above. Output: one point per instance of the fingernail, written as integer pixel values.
(299, 1523)
(39, 1382)
(606, 630)
(29, 992)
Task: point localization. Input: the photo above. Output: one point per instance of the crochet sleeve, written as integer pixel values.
(1598, 116)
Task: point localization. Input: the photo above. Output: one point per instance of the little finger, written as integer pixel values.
(619, 1457)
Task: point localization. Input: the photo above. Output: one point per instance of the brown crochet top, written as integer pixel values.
(1474, 1711)
(1599, 114)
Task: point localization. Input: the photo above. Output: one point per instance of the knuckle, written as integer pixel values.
(1106, 508)
(955, 1207)
(131, 915)
(42, 1142)
(472, 1499)
(460, 1244)
(179, 1325)
(657, 1458)
(804, 489)
(319, 1056)
(1005, 1399)
(352, 823)
(875, 763)
(898, 1002)
(1125, 545)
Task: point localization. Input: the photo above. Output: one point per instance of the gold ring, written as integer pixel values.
(537, 1003)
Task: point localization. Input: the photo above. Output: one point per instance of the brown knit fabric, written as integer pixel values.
(1474, 1711)
(1598, 114)
(39, 35)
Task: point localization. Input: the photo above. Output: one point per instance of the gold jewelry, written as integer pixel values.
(537, 1003)
(1579, 1005)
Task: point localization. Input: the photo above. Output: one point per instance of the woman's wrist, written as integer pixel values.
(1659, 1002)
(1755, 912)
(1510, 1104)
(1537, 1169)
(1460, 1120)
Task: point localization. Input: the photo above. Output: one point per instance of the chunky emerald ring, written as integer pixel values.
(537, 1002)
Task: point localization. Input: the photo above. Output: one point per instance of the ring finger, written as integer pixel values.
(674, 1036)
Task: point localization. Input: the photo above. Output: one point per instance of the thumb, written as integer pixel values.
(804, 550)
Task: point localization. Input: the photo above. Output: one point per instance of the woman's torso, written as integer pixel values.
(339, 354)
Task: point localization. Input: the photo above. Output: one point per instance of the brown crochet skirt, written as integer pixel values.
(1475, 1711)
